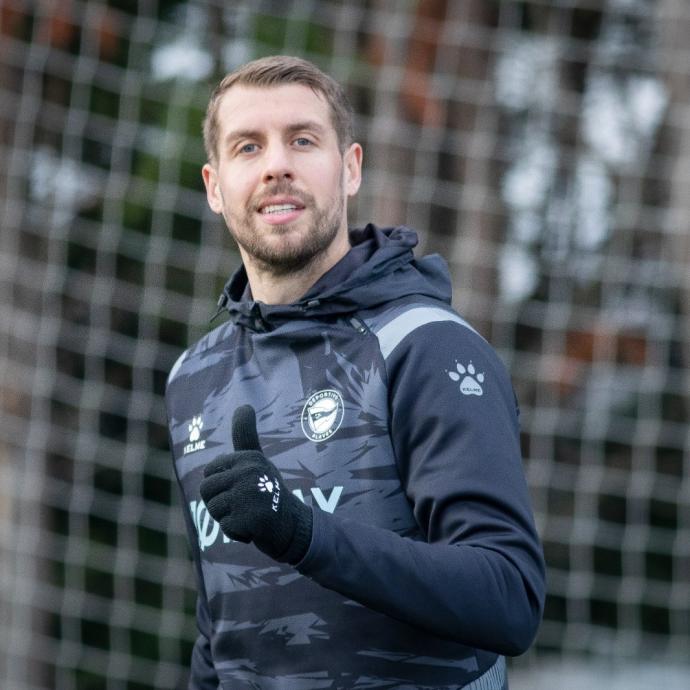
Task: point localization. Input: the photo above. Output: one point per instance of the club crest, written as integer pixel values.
(322, 415)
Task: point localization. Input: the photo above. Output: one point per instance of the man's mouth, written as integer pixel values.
(278, 208)
(280, 211)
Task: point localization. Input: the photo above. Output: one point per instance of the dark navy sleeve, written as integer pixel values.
(478, 578)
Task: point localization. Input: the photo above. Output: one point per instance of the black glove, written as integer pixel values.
(245, 494)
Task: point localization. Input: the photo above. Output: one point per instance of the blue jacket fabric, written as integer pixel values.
(397, 423)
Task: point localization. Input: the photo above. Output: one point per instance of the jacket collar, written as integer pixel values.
(379, 267)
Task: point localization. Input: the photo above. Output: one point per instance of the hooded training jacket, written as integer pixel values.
(397, 423)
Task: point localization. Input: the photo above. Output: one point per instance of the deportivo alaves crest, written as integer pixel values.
(322, 415)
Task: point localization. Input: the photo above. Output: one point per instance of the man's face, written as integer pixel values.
(280, 180)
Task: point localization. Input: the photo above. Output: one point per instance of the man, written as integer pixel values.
(346, 445)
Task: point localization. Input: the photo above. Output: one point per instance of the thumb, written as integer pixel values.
(244, 435)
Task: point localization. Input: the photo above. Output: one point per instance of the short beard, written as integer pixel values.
(290, 259)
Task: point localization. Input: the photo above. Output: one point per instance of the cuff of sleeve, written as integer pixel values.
(301, 539)
(313, 558)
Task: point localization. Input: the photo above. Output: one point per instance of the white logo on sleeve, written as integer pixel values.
(195, 427)
(470, 380)
(322, 415)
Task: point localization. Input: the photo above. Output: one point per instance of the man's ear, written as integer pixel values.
(352, 162)
(213, 193)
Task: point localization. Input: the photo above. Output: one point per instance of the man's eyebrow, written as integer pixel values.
(301, 126)
(306, 125)
(237, 134)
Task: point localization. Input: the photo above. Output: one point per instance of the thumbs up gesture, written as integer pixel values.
(244, 492)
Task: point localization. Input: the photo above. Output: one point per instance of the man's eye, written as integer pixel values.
(248, 148)
(303, 141)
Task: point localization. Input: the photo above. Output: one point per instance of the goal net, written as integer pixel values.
(542, 147)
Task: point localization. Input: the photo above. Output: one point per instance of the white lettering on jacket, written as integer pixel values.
(208, 530)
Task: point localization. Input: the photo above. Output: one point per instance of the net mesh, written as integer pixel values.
(542, 147)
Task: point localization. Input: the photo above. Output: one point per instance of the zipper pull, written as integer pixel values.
(358, 325)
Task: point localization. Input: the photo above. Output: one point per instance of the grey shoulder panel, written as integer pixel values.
(392, 333)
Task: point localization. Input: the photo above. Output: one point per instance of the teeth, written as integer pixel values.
(278, 208)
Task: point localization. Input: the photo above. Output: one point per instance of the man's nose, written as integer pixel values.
(278, 163)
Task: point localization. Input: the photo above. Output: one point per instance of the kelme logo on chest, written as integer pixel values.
(195, 440)
(322, 415)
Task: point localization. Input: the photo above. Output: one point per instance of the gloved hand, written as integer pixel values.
(244, 492)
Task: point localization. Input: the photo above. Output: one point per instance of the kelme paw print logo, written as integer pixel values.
(195, 441)
(271, 487)
(265, 484)
(195, 429)
(470, 380)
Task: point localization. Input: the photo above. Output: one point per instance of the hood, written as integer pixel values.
(379, 267)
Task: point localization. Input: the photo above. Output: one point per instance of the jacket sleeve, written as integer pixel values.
(478, 578)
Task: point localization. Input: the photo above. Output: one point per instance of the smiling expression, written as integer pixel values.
(280, 180)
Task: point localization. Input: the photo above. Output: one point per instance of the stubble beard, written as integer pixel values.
(285, 258)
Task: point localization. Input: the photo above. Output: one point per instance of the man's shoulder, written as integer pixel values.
(197, 355)
(401, 320)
